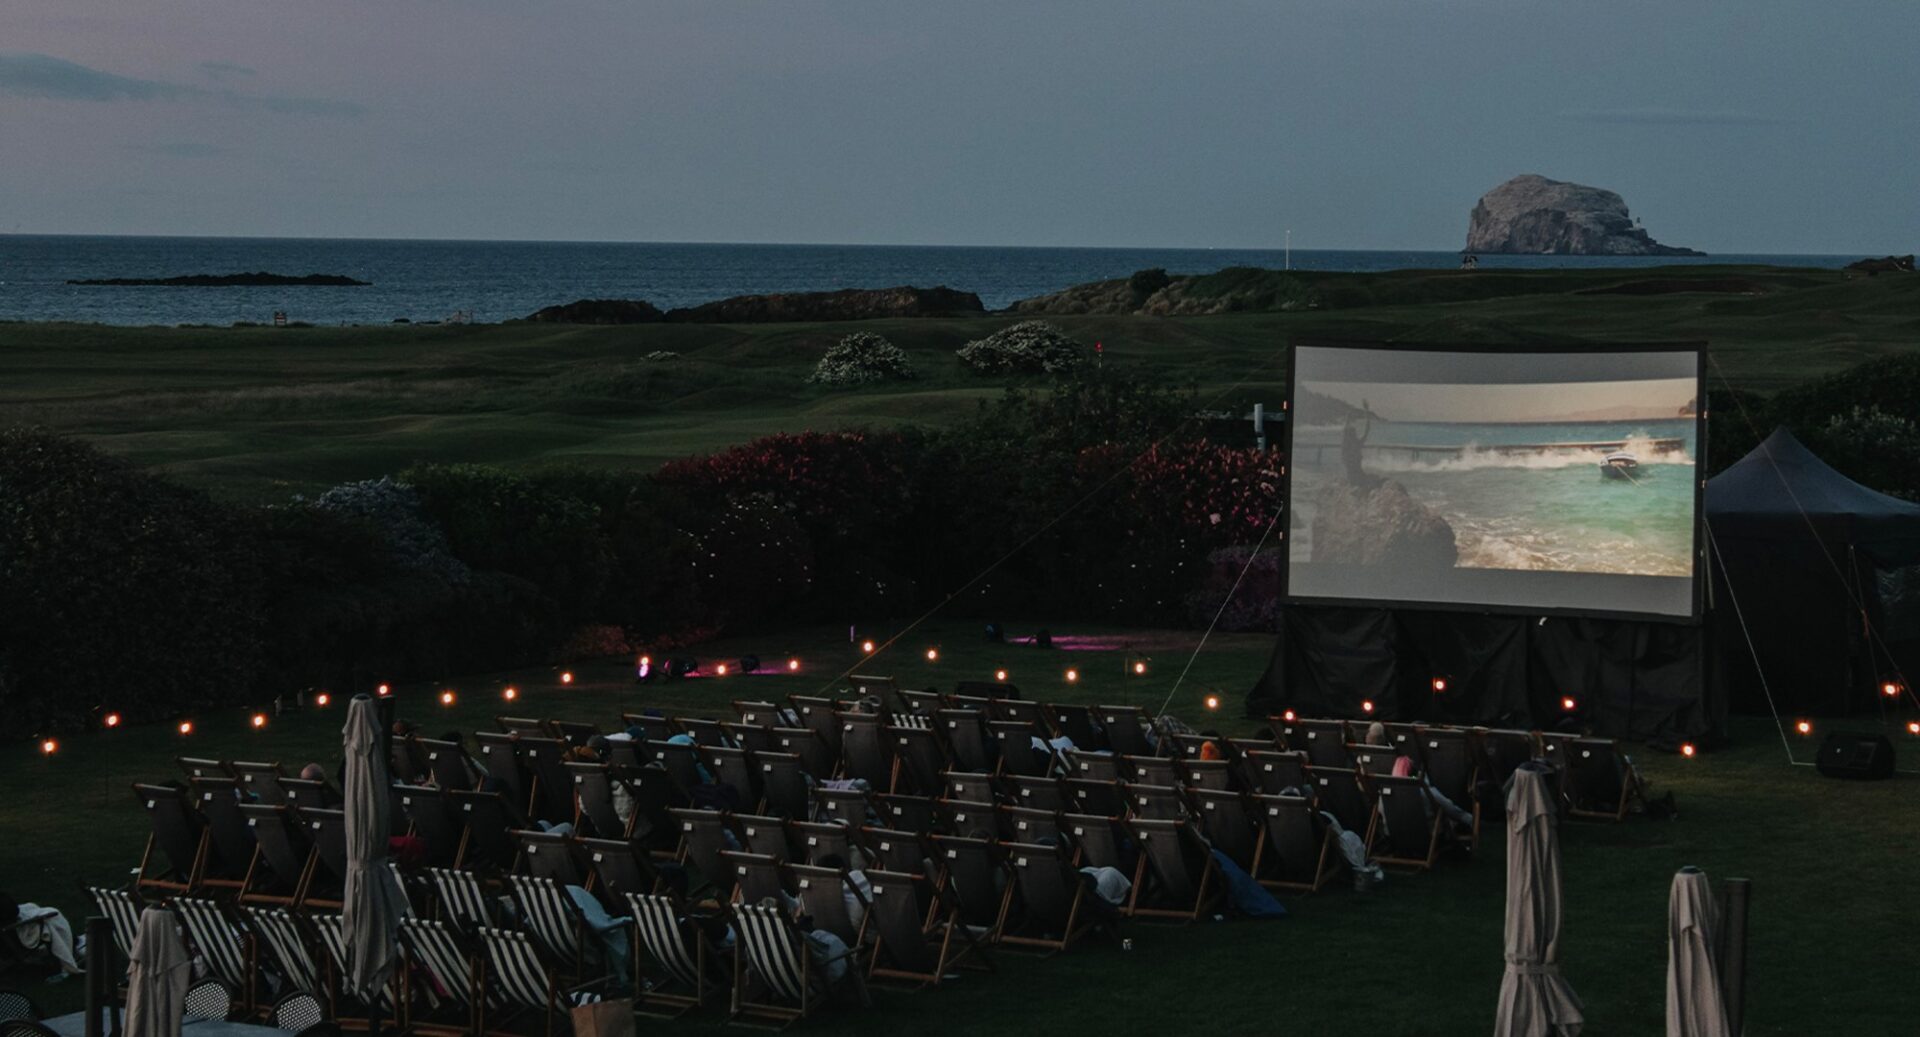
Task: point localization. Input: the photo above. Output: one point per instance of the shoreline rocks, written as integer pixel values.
(1532, 215)
(904, 301)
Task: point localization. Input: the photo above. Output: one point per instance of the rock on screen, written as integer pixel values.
(1549, 482)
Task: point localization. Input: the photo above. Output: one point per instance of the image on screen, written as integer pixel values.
(1560, 482)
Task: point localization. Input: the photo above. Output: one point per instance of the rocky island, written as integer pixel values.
(1532, 215)
(259, 279)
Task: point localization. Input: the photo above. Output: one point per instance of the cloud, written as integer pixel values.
(1670, 117)
(45, 77)
(225, 70)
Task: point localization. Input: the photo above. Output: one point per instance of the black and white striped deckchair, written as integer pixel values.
(223, 946)
(463, 904)
(333, 940)
(520, 982)
(452, 972)
(678, 950)
(121, 908)
(774, 981)
(551, 916)
(279, 929)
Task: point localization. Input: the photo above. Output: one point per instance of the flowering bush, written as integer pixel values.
(392, 508)
(663, 354)
(1027, 347)
(860, 358)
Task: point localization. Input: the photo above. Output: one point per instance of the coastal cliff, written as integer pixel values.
(1532, 215)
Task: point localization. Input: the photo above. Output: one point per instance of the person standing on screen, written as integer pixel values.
(1352, 448)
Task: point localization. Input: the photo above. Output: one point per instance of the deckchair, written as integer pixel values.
(1096, 797)
(751, 737)
(906, 945)
(703, 731)
(490, 819)
(702, 839)
(1503, 751)
(763, 835)
(1187, 745)
(919, 706)
(259, 781)
(452, 968)
(1447, 759)
(1288, 734)
(1019, 757)
(678, 949)
(224, 946)
(1404, 737)
(523, 726)
(918, 760)
(575, 732)
(196, 767)
(1045, 905)
(1126, 729)
(1150, 770)
(522, 983)
(448, 765)
(1276, 771)
(593, 793)
(1410, 823)
(406, 761)
(1600, 782)
(1155, 802)
(758, 714)
(731, 769)
(1225, 820)
(434, 823)
(972, 787)
(847, 806)
(551, 793)
(681, 762)
(975, 877)
(822, 893)
(1246, 775)
(179, 833)
(620, 867)
(121, 908)
(816, 840)
(653, 795)
(1297, 852)
(893, 850)
(884, 690)
(280, 931)
(1344, 794)
(1027, 825)
(1095, 841)
(958, 700)
(991, 690)
(551, 917)
(1325, 743)
(1039, 793)
(899, 810)
(817, 756)
(774, 980)
(959, 817)
(783, 784)
(966, 736)
(1373, 760)
(550, 855)
(862, 753)
(1090, 766)
(505, 768)
(1176, 876)
(653, 728)
(283, 862)
(1075, 723)
(303, 794)
(463, 902)
(1206, 774)
(817, 714)
(1018, 711)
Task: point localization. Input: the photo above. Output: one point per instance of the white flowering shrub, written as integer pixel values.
(859, 358)
(1027, 347)
(663, 354)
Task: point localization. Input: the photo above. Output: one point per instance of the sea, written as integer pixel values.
(1523, 496)
(491, 281)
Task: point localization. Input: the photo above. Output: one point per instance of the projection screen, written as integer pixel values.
(1524, 482)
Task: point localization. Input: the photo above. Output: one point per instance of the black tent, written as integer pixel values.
(1816, 576)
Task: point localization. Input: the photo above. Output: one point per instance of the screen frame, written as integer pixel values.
(1697, 597)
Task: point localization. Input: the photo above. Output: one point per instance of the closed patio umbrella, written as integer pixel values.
(1535, 1001)
(371, 908)
(158, 972)
(1696, 1004)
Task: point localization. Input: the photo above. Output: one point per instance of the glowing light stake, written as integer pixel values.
(720, 670)
(566, 676)
(1439, 685)
(49, 747)
(510, 693)
(186, 727)
(933, 655)
(259, 721)
(1139, 667)
(1289, 716)
(446, 698)
(1913, 727)
(1687, 750)
(1568, 703)
(1213, 702)
(1890, 690)
(1366, 705)
(1805, 727)
(793, 666)
(1073, 676)
(385, 690)
(644, 668)
(322, 699)
(1000, 675)
(867, 647)
(111, 720)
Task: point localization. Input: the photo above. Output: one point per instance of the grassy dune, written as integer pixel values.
(258, 413)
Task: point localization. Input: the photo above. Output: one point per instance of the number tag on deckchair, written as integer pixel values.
(877, 890)
(953, 855)
(1021, 862)
(886, 847)
(806, 883)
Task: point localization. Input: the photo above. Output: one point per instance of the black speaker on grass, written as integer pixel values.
(1857, 756)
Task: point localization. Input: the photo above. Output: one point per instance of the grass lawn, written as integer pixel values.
(1834, 919)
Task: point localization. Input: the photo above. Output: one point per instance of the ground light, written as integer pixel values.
(566, 676)
(1568, 703)
(384, 690)
(1439, 685)
(1687, 750)
(49, 747)
(1139, 666)
(1073, 676)
(720, 670)
(259, 721)
(1289, 716)
(793, 666)
(111, 720)
(1805, 727)
(446, 698)
(1000, 675)
(1913, 727)
(1366, 705)
(1212, 701)
(867, 647)
(510, 693)
(1890, 689)
(185, 727)
(322, 699)
(933, 655)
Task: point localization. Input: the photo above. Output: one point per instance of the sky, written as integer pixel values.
(1758, 127)
(1543, 401)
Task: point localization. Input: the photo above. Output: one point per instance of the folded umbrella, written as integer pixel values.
(1696, 1004)
(158, 972)
(1535, 1000)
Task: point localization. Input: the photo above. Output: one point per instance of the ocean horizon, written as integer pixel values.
(425, 280)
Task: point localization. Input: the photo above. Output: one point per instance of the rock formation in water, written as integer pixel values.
(600, 311)
(1379, 524)
(1533, 215)
(1887, 265)
(259, 279)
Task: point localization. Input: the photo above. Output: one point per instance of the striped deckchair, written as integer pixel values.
(677, 948)
(552, 918)
(516, 977)
(121, 908)
(227, 950)
(333, 939)
(436, 950)
(463, 904)
(773, 977)
(279, 929)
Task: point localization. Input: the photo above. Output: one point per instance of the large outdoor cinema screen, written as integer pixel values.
(1543, 482)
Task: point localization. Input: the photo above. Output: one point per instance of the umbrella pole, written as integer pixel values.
(1733, 950)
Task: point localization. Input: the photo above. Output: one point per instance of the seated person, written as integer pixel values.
(37, 935)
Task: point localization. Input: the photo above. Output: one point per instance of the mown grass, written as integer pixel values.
(1834, 913)
(259, 413)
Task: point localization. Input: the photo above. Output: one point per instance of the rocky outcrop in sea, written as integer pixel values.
(1533, 215)
(1379, 524)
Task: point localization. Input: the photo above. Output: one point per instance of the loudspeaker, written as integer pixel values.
(1857, 756)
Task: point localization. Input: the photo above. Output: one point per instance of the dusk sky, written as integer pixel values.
(1758, 126)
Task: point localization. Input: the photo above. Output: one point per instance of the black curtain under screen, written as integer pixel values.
(1628, 679)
